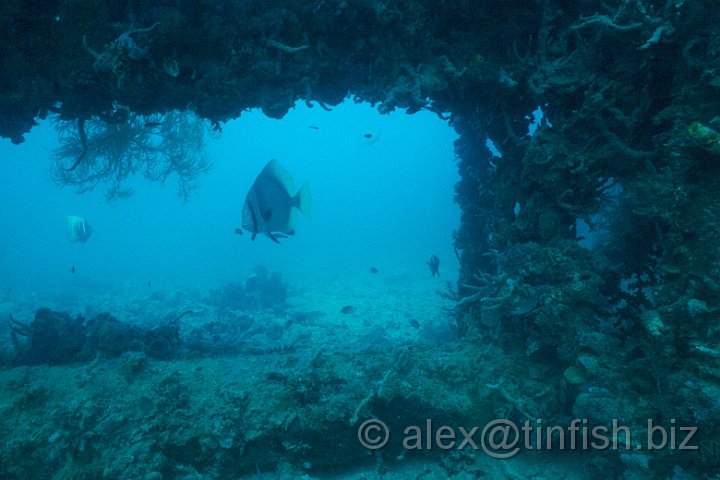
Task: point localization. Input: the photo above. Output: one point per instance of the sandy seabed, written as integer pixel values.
(282, 390)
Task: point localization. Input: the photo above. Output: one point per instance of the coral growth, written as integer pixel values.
(110, 149)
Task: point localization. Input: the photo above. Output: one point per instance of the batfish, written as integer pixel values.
(78, 229)
(269, 203)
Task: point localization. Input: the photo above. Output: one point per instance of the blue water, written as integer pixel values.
(387, 204)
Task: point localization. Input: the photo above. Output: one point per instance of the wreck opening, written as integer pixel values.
(631, 87)
(382, 188)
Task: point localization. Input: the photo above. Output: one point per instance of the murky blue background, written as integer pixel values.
(387, 204)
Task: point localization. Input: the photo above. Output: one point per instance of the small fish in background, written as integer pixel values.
(371, 137)
(414, 323)
(373, 270)
(347, 309)
(149, 284)
(78, 229)
(72, 270)
(434, 264)
(314, 127)
(269, 203)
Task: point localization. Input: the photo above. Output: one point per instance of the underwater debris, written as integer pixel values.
(53, 338)
(180, 316)
(17, 328)
(56, 338)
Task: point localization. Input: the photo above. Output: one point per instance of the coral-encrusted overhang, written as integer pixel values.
(219, 58)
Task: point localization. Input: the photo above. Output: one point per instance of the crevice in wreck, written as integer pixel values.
(630, 86)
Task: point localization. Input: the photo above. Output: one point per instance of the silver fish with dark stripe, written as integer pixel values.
(269, 203)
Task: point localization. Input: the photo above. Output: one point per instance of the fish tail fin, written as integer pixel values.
(303, 200)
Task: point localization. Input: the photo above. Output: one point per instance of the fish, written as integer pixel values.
(72, 270)
(371, 137)
(414, 323)
(434, 264)
(314, 127)
(373, 270)
(347, 309)
(149, 283)
(78, 229)
(268, 207)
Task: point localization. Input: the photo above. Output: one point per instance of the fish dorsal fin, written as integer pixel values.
(275, 170)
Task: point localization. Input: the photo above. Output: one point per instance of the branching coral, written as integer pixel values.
(413, 85)
(632, 15)
(96, 151)
(124, 46)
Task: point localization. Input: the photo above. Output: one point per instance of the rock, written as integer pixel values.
(574, 376)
